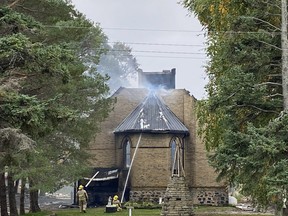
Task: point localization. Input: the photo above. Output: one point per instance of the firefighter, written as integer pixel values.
(117, 203)
(82, 197)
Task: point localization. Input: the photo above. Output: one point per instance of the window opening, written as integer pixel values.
(177, 167)
(127, 153)
(173, 155)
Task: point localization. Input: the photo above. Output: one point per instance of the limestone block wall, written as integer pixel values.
(210, 196)
(151, 164)
(103, 145)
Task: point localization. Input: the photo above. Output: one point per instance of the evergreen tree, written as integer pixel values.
(45, 93)
(245, 100)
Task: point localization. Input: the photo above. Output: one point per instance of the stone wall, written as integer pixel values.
(200, 196)
(210, 196)
(103, 145)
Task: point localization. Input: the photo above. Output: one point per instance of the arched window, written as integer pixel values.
(177, 156)
(127, 152)
(173, 153)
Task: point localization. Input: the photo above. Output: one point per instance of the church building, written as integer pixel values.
(134, 153)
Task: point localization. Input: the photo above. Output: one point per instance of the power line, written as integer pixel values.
(135, 43)
(177, 57)
(166, 30)
(191, 31)
(154, 51)
(158, 30)
(159, 44)
(124, 29)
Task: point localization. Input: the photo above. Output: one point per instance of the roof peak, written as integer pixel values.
(152, 115)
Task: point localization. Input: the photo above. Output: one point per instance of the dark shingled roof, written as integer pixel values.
(152, 116)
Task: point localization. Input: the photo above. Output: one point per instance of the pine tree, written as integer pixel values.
(45, 94)
(243, 120)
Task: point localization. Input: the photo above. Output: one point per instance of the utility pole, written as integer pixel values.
(284, 46)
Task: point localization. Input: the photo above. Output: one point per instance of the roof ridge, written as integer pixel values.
(152, 115)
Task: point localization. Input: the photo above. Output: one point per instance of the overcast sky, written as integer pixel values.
(161, 33)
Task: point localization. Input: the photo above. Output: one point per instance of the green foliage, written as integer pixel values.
(244, 94)
(44, 91)
(13, 22)
(267, 153)
(33, 116)
(11, 45)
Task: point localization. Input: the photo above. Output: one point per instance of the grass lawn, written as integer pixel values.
(201, 211)
(100, 212)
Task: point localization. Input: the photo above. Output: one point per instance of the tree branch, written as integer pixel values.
(271, 45)
(230, 96)
(258, 108)
(250, 117)
(275, 75)
(274, 95)
(13, 3)
(255, 18)
(268, 83)
(25, 8)
(273, 5)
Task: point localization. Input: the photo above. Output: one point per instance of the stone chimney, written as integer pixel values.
(177, 199)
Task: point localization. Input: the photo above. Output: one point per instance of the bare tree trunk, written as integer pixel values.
(22, 197)
(3, 198)
(12, 197)
(34, 206)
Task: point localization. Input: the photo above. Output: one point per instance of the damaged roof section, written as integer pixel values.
(103, 174)
(152, 116)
